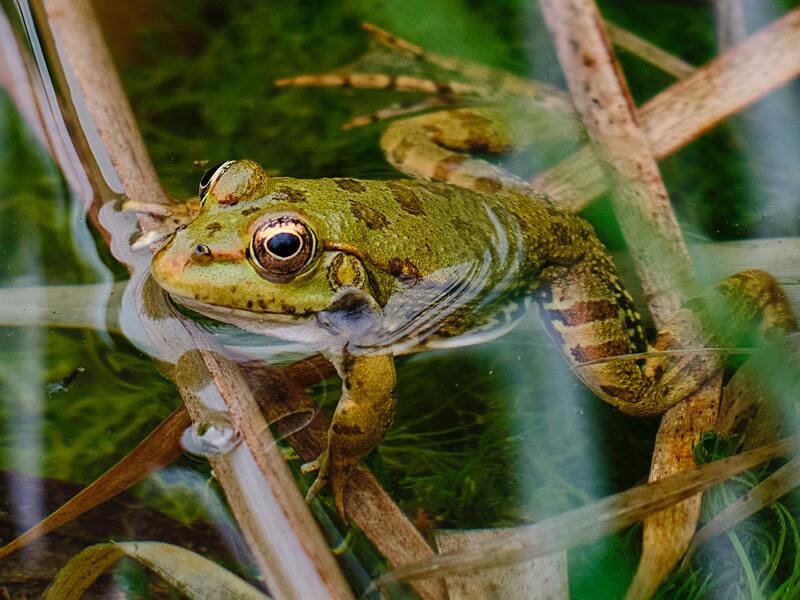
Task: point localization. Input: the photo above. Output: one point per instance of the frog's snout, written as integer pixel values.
(167, 266)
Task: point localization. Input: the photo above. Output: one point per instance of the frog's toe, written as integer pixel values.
(311, 466)
(149, 237)
(316, 487)
(338, 483)
(319, 465)
(329, 473)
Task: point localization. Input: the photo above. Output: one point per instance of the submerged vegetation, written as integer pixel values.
(503, 442)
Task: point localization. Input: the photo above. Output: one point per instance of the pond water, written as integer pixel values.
(491, 435)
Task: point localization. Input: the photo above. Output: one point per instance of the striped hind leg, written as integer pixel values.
(383, 81)
(593, 320)
(472, 82)
(495, 82)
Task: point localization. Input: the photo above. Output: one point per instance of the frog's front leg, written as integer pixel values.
(363, 415)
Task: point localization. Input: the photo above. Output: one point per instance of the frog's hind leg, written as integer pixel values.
(436, 146)
(384, 81)
(495, 82)
(470, 81)
(594, 321)
(445, 92)
(399, 109)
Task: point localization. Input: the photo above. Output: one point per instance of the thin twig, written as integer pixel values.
(658, 57)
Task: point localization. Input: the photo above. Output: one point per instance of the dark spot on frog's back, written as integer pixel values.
(405, 270)
(351, 185)
(249, 211)
(372, 218)
(407, 199)
(560, 233)
(293, 195)
(213, 228)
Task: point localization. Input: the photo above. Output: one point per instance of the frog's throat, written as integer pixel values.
(236, 315)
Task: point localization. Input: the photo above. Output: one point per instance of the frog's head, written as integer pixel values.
(251, 256)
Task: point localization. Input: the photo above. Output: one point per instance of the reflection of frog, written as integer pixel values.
(362, 270)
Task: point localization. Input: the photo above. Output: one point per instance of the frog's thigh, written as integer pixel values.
(362, 417)
(593, 319)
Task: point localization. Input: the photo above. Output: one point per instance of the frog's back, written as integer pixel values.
(429, 226)
(450, 266)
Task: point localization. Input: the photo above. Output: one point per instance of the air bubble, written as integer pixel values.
(213, 436)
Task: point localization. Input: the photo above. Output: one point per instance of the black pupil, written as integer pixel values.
(283, 245)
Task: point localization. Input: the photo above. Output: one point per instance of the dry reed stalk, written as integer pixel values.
(690, 107)
(648, 223)
(29, 93)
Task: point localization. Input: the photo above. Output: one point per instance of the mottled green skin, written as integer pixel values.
(401, 232)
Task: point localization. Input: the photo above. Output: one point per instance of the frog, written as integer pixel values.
(454, 254)
(367, 270)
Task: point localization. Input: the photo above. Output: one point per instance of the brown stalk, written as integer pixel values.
(87, 56)
(642, 206)
(669, 63)
(690, 107)
(29, 92)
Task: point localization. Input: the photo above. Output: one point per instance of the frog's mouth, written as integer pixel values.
(228, 314)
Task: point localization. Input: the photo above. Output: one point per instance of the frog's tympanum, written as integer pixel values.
(363, 270)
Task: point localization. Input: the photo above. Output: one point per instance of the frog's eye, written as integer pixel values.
(210, 176)
(282, 247)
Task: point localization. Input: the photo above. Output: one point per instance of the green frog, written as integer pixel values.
(365, 270)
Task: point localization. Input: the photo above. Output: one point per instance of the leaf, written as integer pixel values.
(159, 448)
(192, 574)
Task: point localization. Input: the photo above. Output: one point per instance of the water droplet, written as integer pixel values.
(213, 436)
